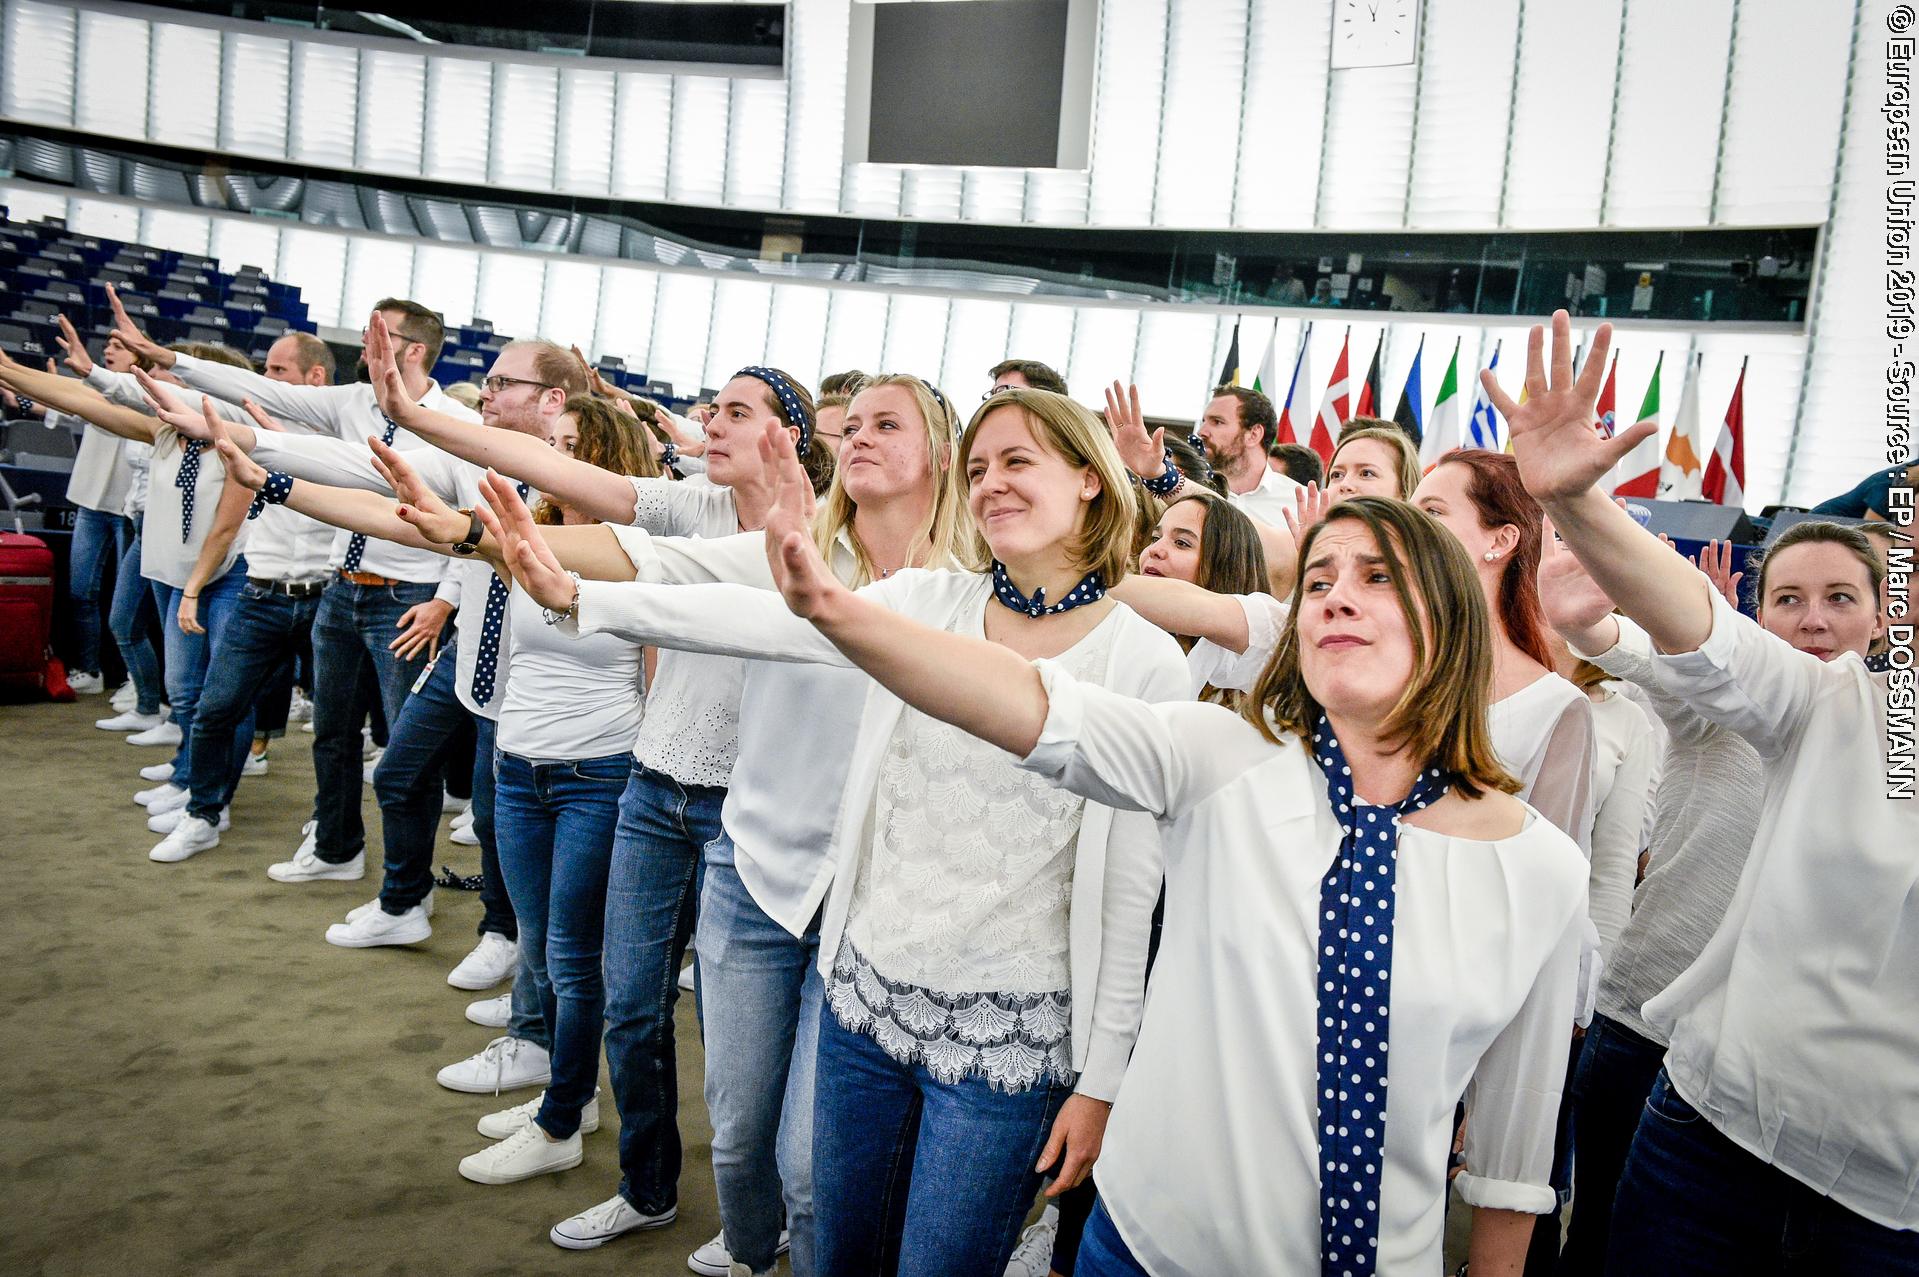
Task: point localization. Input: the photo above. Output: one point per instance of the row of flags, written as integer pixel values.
(1676, 472)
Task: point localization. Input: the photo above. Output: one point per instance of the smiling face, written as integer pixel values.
(1355, 650)
(1819, 598)
(1026, 499)
(1363, 468)
(1178, 539)
(884, 453)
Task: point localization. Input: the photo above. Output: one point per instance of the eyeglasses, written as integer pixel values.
(997, 390)
(495, 384)
(402, 338)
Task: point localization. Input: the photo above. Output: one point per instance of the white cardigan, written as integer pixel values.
(1117, 867)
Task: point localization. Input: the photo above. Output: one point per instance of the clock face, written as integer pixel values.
(1374, 33)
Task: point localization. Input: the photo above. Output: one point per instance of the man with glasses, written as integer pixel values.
(526, 391)
(1026, 374)
(384, 605)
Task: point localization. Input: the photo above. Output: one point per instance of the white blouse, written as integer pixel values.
(1796, 1033)
(1211, 1157)
(164, 555)
(1623, 767)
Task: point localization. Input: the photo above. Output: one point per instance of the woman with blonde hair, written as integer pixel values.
(1354, 809)
(984, 940)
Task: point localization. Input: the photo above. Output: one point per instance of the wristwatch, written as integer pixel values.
(572, 612)
(470, 543)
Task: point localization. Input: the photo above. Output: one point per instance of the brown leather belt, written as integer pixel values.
(368, 578)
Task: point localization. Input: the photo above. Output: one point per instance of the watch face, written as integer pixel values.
(1374, 33)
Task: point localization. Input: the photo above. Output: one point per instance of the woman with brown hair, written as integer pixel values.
(1364, 756)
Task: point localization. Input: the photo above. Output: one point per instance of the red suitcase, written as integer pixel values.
(26, 610)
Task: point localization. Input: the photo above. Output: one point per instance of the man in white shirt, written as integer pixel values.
(1238, 428)
(384, 606)
(286, 575)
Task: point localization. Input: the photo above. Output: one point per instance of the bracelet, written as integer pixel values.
(670, 455)
(185, 595)
(1167, 480)
(572, 612)
(475, 532)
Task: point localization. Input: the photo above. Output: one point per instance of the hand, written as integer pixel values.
(523, 551)
(241, 468)
(171, 409)
(1716, 562)
(419, 505)
(1143, 453)
(1078, 1132)
(261, 417)
(598, 384)
(801, 575)
(383, 370)
(1572, 601)
(1310, 505)
(190, 614)
(420, 629)
(1559, 453)
(72, 348)
(130, 335)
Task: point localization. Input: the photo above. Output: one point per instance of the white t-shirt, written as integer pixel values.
(566, 698)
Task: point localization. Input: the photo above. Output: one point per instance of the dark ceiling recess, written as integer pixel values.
(751, 35)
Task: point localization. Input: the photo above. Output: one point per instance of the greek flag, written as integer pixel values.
(1483, 430)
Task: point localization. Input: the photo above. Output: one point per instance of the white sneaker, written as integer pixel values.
(450, 804)
(255, 765)
(307, 727)
(371, 930)
(368, 750)
(125, 697)
(507, 1064)
(310, 839)
(165, 734)
(191, 837)
(465, 819)
(162, 772)
(299, 708)
(715, 1260)
(492, 960)
(598, 1225)
(358, 910)
(522, 1155)
(464, 836)
(165, 789)
(170, 798)
(1033, 1257)
(686, 978)
(491, 1013)
(497, 1126)
(168, 821)
(308, 867)
(128, 720)
(86, 684)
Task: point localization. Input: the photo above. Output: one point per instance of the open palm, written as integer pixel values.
(1559, 453)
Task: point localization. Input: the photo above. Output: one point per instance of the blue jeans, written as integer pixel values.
(1103, 1252)
(554, 823)
(96, 535)
(913, 1175)
(651, 898)
(259, 639)
(352, 670)
(188, 656)
(131, 619)
(760, 994)
(1693, 1202)
(1609, 1088)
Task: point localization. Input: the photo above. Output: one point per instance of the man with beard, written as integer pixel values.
(1238, 428)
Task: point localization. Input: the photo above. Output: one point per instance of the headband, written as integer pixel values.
(790, 401)
(941, 400)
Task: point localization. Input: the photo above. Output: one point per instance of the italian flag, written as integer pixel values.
(1638, 474)
(1442, 428)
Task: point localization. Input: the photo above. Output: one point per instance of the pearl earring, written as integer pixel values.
(1489, 556)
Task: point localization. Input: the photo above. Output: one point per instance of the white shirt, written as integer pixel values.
(285, 545)
(101, 477)
(1796, 1033)
(779, 816)
(1623, 765)
(343, 464)
(1210, 1163)
(691, 730)
(350, 412)
(1271, 500)
(165, 556)
(567, 698)
(1116, 866)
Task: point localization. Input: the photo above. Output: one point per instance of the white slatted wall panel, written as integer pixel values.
(323, 77)
(110, 91)
(584, 145)
(458, 128)
(1561, 113)
(1672, 81)
(1465, 92)
(1782, 122)
(253, 95)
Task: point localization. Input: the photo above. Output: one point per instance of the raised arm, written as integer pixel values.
(1180, 607)
(1562, 461)
(79, 399)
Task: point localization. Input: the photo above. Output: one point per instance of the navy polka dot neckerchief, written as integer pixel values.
(274, 491)
(356, 544)
(1355, 959)
(1091, 589)
(486, 661)
(187, 479)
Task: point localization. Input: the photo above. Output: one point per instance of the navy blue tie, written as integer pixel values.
(356, 544)
(187, 479)
(486, 662)
(1355, 981)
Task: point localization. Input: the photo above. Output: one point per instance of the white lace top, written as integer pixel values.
(956, 953)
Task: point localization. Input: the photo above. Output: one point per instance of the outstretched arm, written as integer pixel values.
(1562, 460)
(1180, 607)
(68, 395)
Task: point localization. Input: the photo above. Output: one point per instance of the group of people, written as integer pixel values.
(1066, 815)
